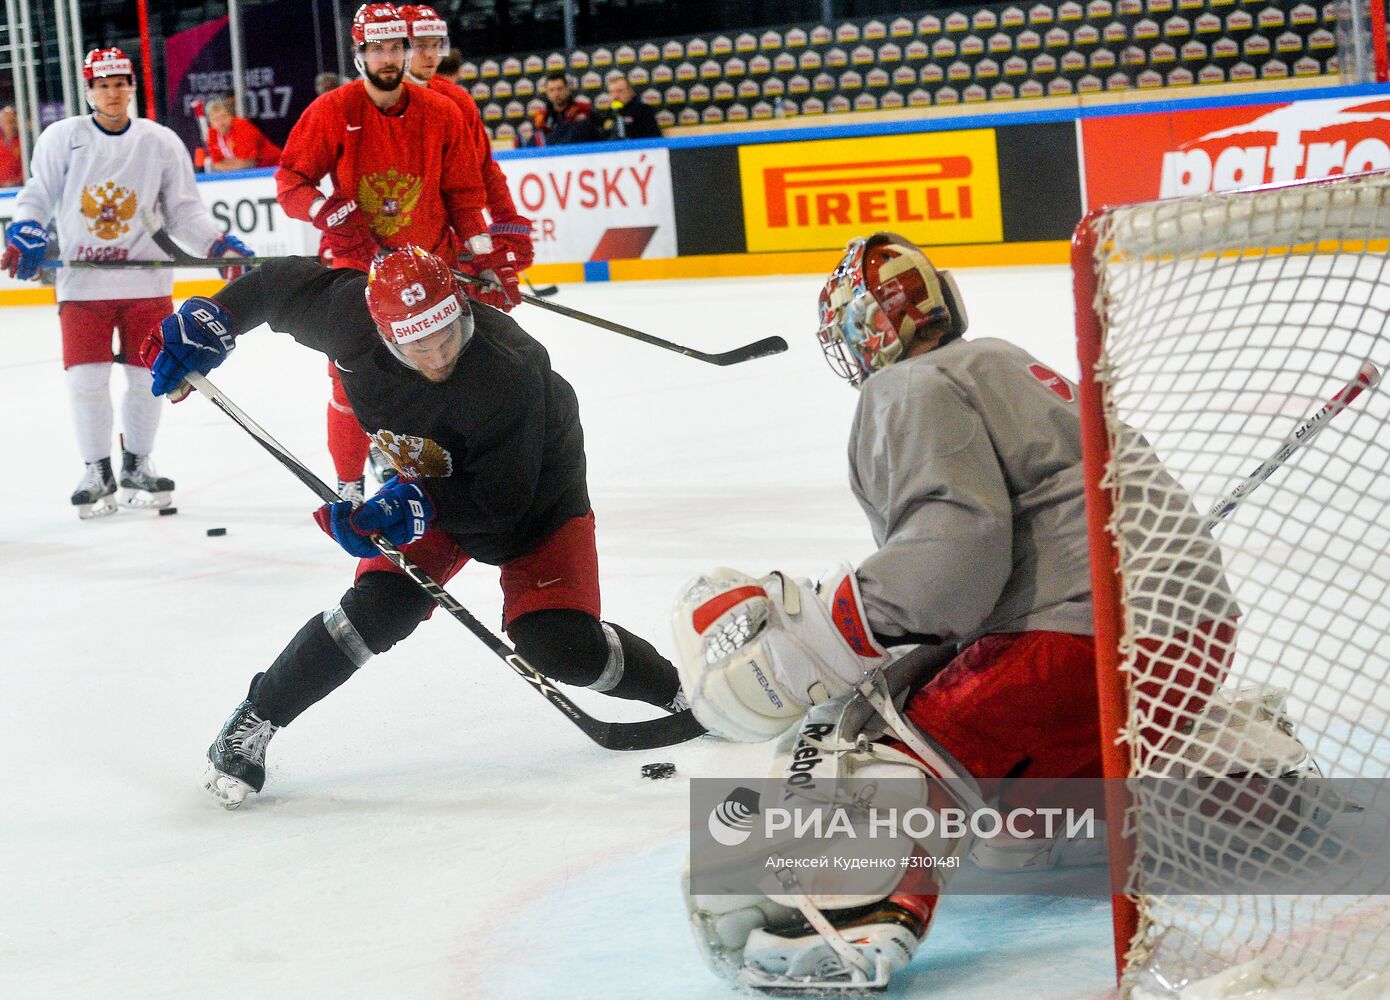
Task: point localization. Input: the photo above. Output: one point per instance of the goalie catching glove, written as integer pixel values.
(755, 654)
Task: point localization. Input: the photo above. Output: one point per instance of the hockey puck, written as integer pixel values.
(657, 771)
(216, 532)
(166, 511)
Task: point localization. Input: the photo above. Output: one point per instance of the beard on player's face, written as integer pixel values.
(386, 77)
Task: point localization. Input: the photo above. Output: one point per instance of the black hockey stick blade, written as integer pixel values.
(757, 349)
(544, 292)
(645, 735)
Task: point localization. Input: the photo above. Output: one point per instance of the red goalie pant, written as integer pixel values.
(1024, 705)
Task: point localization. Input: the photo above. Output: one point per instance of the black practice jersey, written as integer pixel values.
(498, 445)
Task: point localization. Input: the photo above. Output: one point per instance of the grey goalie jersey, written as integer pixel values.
(967, 462)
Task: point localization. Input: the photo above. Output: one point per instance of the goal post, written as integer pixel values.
(1237, 465)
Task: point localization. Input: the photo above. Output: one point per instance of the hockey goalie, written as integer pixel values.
(965, 455)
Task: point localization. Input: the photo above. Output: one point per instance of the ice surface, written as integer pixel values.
(433, 829)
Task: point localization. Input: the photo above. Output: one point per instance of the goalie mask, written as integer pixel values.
(419, 310)
(882, 298)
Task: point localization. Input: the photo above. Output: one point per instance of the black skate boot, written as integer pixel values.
(92, 498)
(140, 487)
(382, 469)
(353, 490)
(236, 759)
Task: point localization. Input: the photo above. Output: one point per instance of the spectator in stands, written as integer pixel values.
(325, 82)
(234, 143)
(451, 66)
(11, 157)
(627, 117)
(565, 118)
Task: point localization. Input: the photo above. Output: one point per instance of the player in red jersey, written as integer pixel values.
(404, 172)
(429, 43)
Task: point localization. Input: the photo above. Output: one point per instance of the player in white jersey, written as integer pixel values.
(91, 176)
(965, 456)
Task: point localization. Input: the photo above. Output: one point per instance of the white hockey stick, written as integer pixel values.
(1366, 379)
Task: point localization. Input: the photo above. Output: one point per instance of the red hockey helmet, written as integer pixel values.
(411, 295)
(423, 21)
(882, 297)
(377, 22)
(107, 62)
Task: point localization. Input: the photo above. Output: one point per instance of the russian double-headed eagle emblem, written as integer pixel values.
(388, 198)
(413, 456)
(108, 208)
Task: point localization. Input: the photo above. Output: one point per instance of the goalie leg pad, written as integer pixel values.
(808, 933)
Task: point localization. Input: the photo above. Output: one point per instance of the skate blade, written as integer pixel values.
(141, 500)
(228, 791)
(101, 508)
(779, 984)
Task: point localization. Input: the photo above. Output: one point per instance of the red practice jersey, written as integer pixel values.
(499, 198)
(412, 171)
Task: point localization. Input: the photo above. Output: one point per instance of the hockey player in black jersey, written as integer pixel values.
(490, 450)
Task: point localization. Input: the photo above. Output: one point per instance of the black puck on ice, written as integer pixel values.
(166, 511)
(216, 532)
(656, 771)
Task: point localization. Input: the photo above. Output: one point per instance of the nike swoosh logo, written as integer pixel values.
(341, 368)
(547, 583)
(354, 128)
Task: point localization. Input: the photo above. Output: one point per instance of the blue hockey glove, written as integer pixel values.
(228, 245)
(197, 338)
(26, 244)
(400, 512)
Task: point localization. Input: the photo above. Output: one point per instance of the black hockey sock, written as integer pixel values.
(379, 611)
(647, 675)
(310, 667)
(575, 648)
(567, 646)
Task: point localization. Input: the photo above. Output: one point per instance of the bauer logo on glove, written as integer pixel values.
(400, 512)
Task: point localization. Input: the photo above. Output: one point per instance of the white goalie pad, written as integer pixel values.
(754, 654)
(788, 938)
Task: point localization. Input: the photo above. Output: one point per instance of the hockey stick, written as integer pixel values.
(1366, 379)
(647, 735)
(757, 349)
(545, 292)
(132, 265)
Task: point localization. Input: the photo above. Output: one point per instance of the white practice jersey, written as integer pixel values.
(967, 461)
(94, 183)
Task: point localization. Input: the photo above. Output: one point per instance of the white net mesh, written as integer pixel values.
(1228, 321)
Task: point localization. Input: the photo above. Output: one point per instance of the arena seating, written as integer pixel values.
(998, 52)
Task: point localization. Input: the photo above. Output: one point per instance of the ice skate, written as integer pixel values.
(236, 759)
(141, 487)
(92, 498)
(798, 959)
(382, 469)
(680, 703)
(353, 490)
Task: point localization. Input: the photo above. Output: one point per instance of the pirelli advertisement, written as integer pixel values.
(940, 188)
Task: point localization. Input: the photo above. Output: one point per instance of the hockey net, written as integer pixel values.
(1238, 478)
